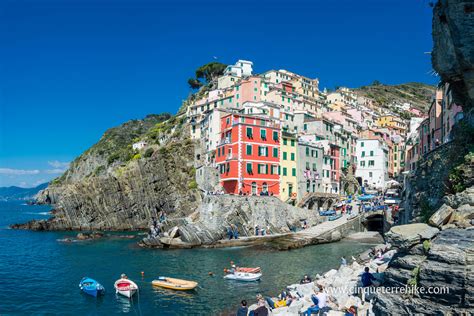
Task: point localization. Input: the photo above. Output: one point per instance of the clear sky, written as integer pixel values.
(71, 69)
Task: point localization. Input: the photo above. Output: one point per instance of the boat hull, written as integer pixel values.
(174, 284)
(91, 287)
(243, 277)
(125, 287)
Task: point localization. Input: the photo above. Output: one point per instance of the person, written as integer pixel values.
(305, 280)
(343, 261)
(261, 309)
(230, 232)
(154, 221)
(233, 269)
(313, 309)
(367, 278)
(275, 303)
(243, 309)
(322, 300)
(123, 276)
(235, 232)
(351, 311)
(257, 230)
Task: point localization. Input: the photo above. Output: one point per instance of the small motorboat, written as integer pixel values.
(125, 287)
(245, 270)
(327, 213)
(243, 276)
(91, 287)
(334, 217)
(174, 284)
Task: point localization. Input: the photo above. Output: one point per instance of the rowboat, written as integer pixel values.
(334, 217)
(125, 287)
(91, 287)
(245, 270)
(242, 276)
(174, 284)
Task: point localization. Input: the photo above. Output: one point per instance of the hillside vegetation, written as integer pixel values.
(418, 94)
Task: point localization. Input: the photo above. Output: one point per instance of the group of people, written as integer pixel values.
(262, 231)
(232, 232)
(286, 298)
(155, 227)
(217, 192)
(263, 193)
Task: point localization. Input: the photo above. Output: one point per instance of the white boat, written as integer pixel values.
(125, 287)
(243, 276)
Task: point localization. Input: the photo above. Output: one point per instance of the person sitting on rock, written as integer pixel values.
(235, 232)
(305, 280)
(243, 309)
(261, 309)
(230, 232)
(322, 300)
(367, 278)
(313, 309)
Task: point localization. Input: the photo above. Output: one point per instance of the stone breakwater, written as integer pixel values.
(341, 286)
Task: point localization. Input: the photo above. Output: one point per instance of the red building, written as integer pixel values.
(248, 154)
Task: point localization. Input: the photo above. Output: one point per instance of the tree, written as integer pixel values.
(207, 73)
(376, 83)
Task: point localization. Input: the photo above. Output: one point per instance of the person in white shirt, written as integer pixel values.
(322, 300)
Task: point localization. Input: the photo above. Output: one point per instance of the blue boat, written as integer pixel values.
(327, 213)
(334, 217)
(91, 287)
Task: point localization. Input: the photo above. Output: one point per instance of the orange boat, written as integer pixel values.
(245, 270)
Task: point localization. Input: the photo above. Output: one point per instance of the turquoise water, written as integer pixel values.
(40, 275)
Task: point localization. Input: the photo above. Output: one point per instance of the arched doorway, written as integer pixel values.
(254, 188)
(264, 188)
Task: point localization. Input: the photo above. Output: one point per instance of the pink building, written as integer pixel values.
(435, 121)
(452, 113)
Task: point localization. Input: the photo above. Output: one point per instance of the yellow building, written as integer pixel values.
(288, 176)
(391, 121)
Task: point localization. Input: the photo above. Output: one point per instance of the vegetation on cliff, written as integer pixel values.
(418, 94)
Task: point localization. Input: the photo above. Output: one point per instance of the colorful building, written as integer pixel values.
(288, 167)
(310, 166)
(248, 155)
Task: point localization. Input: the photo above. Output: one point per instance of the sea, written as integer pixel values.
(40, 273)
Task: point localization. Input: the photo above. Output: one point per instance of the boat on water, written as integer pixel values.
(91, 287)
(334, 217)
(125, 287)
(243, 276)
(174, 284)
(327, 213)
(245, 270)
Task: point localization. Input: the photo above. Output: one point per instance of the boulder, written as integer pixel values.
(406, 236)
(441, 216)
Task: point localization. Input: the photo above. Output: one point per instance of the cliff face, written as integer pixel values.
(122, 194)
(453, 51)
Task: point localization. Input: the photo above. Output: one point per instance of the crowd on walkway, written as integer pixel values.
(156, 225)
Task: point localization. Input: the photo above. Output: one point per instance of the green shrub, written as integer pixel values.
(426, 245)
(113, 157)
(192, 185)
(148, 153)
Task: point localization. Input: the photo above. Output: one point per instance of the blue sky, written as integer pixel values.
(71, 69)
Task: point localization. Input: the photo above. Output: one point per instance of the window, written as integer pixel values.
(227, 121)
(371, 153)
(363, 154)
(249, 168)
(275, 136)
(263, 134)
(275, 152)
(285, 141)
(292, 156)
(305, 127)
(249, 149)
(292, 143)
(370, 174)
(293, 172)
(249, 132)
(264, 187)
(284, 171)
(362, 144)
(308, 183)
(307, 165)
(314, 167)
(285, 155)
(362, 163)
(307, 151)
(371, 163)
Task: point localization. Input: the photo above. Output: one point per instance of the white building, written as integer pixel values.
(242, 68)
(139, 145)
(372, 158)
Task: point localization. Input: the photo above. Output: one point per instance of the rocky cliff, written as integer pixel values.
(217, 212)
(113, 187)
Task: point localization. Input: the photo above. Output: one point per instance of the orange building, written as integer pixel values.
(248, 155)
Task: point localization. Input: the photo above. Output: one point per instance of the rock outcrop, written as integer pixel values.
(217, 212)
(125, 195)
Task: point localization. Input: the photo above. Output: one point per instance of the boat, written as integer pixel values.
(245, 270)
(174, 284)
(334, 217)
(91, 287)
(327, 213)
(125, 287)
(243, 276)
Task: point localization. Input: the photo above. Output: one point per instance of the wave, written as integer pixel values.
(40, 213)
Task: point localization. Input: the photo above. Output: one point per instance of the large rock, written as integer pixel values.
(406, 236)
(441, 216)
